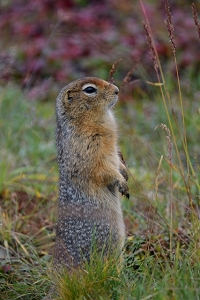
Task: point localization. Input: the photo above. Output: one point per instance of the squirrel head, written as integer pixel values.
(89, 97)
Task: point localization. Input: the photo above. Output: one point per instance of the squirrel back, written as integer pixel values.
(91, 174)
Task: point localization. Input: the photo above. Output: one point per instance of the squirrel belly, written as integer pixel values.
(91, 173)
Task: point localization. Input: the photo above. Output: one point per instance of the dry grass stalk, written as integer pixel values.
(151, 46)
(168, 138)
(195, 17)
(170, 26)
(128, 77)
(113, 71)
(157, 177)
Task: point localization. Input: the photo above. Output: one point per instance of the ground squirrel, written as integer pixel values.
(91, 172)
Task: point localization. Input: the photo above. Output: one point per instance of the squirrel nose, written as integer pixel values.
(116, 90)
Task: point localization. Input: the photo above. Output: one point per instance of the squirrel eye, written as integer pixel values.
(90, 90)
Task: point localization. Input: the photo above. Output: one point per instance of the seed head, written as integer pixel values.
(151, 46)
(170, 26)
(195, 17)
(168, 138)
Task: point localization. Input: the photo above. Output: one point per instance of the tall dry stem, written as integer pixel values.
(170, 29)
(165, 94)
(170, 202)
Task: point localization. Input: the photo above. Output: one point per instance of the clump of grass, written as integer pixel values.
(24, 273)
(97, 279)
(147, 273)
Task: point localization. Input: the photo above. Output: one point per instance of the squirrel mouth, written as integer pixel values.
(113, 102)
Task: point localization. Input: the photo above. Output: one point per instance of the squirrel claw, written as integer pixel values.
(127, 195)
(123, 189)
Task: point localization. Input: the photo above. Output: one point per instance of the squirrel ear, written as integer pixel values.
(69, 97)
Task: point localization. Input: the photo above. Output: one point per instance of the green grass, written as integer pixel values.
(162, 256)
(27, 138)
(28, 191)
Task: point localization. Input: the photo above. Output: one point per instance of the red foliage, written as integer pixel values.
(58, 41)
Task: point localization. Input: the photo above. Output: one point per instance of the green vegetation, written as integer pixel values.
(162, 252)
(159, 127)
(28, 187)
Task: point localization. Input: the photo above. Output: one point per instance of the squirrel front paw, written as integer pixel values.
(122, 166)
(123, 171)
(123, 188)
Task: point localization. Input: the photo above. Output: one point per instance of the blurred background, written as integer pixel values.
(46, 44)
